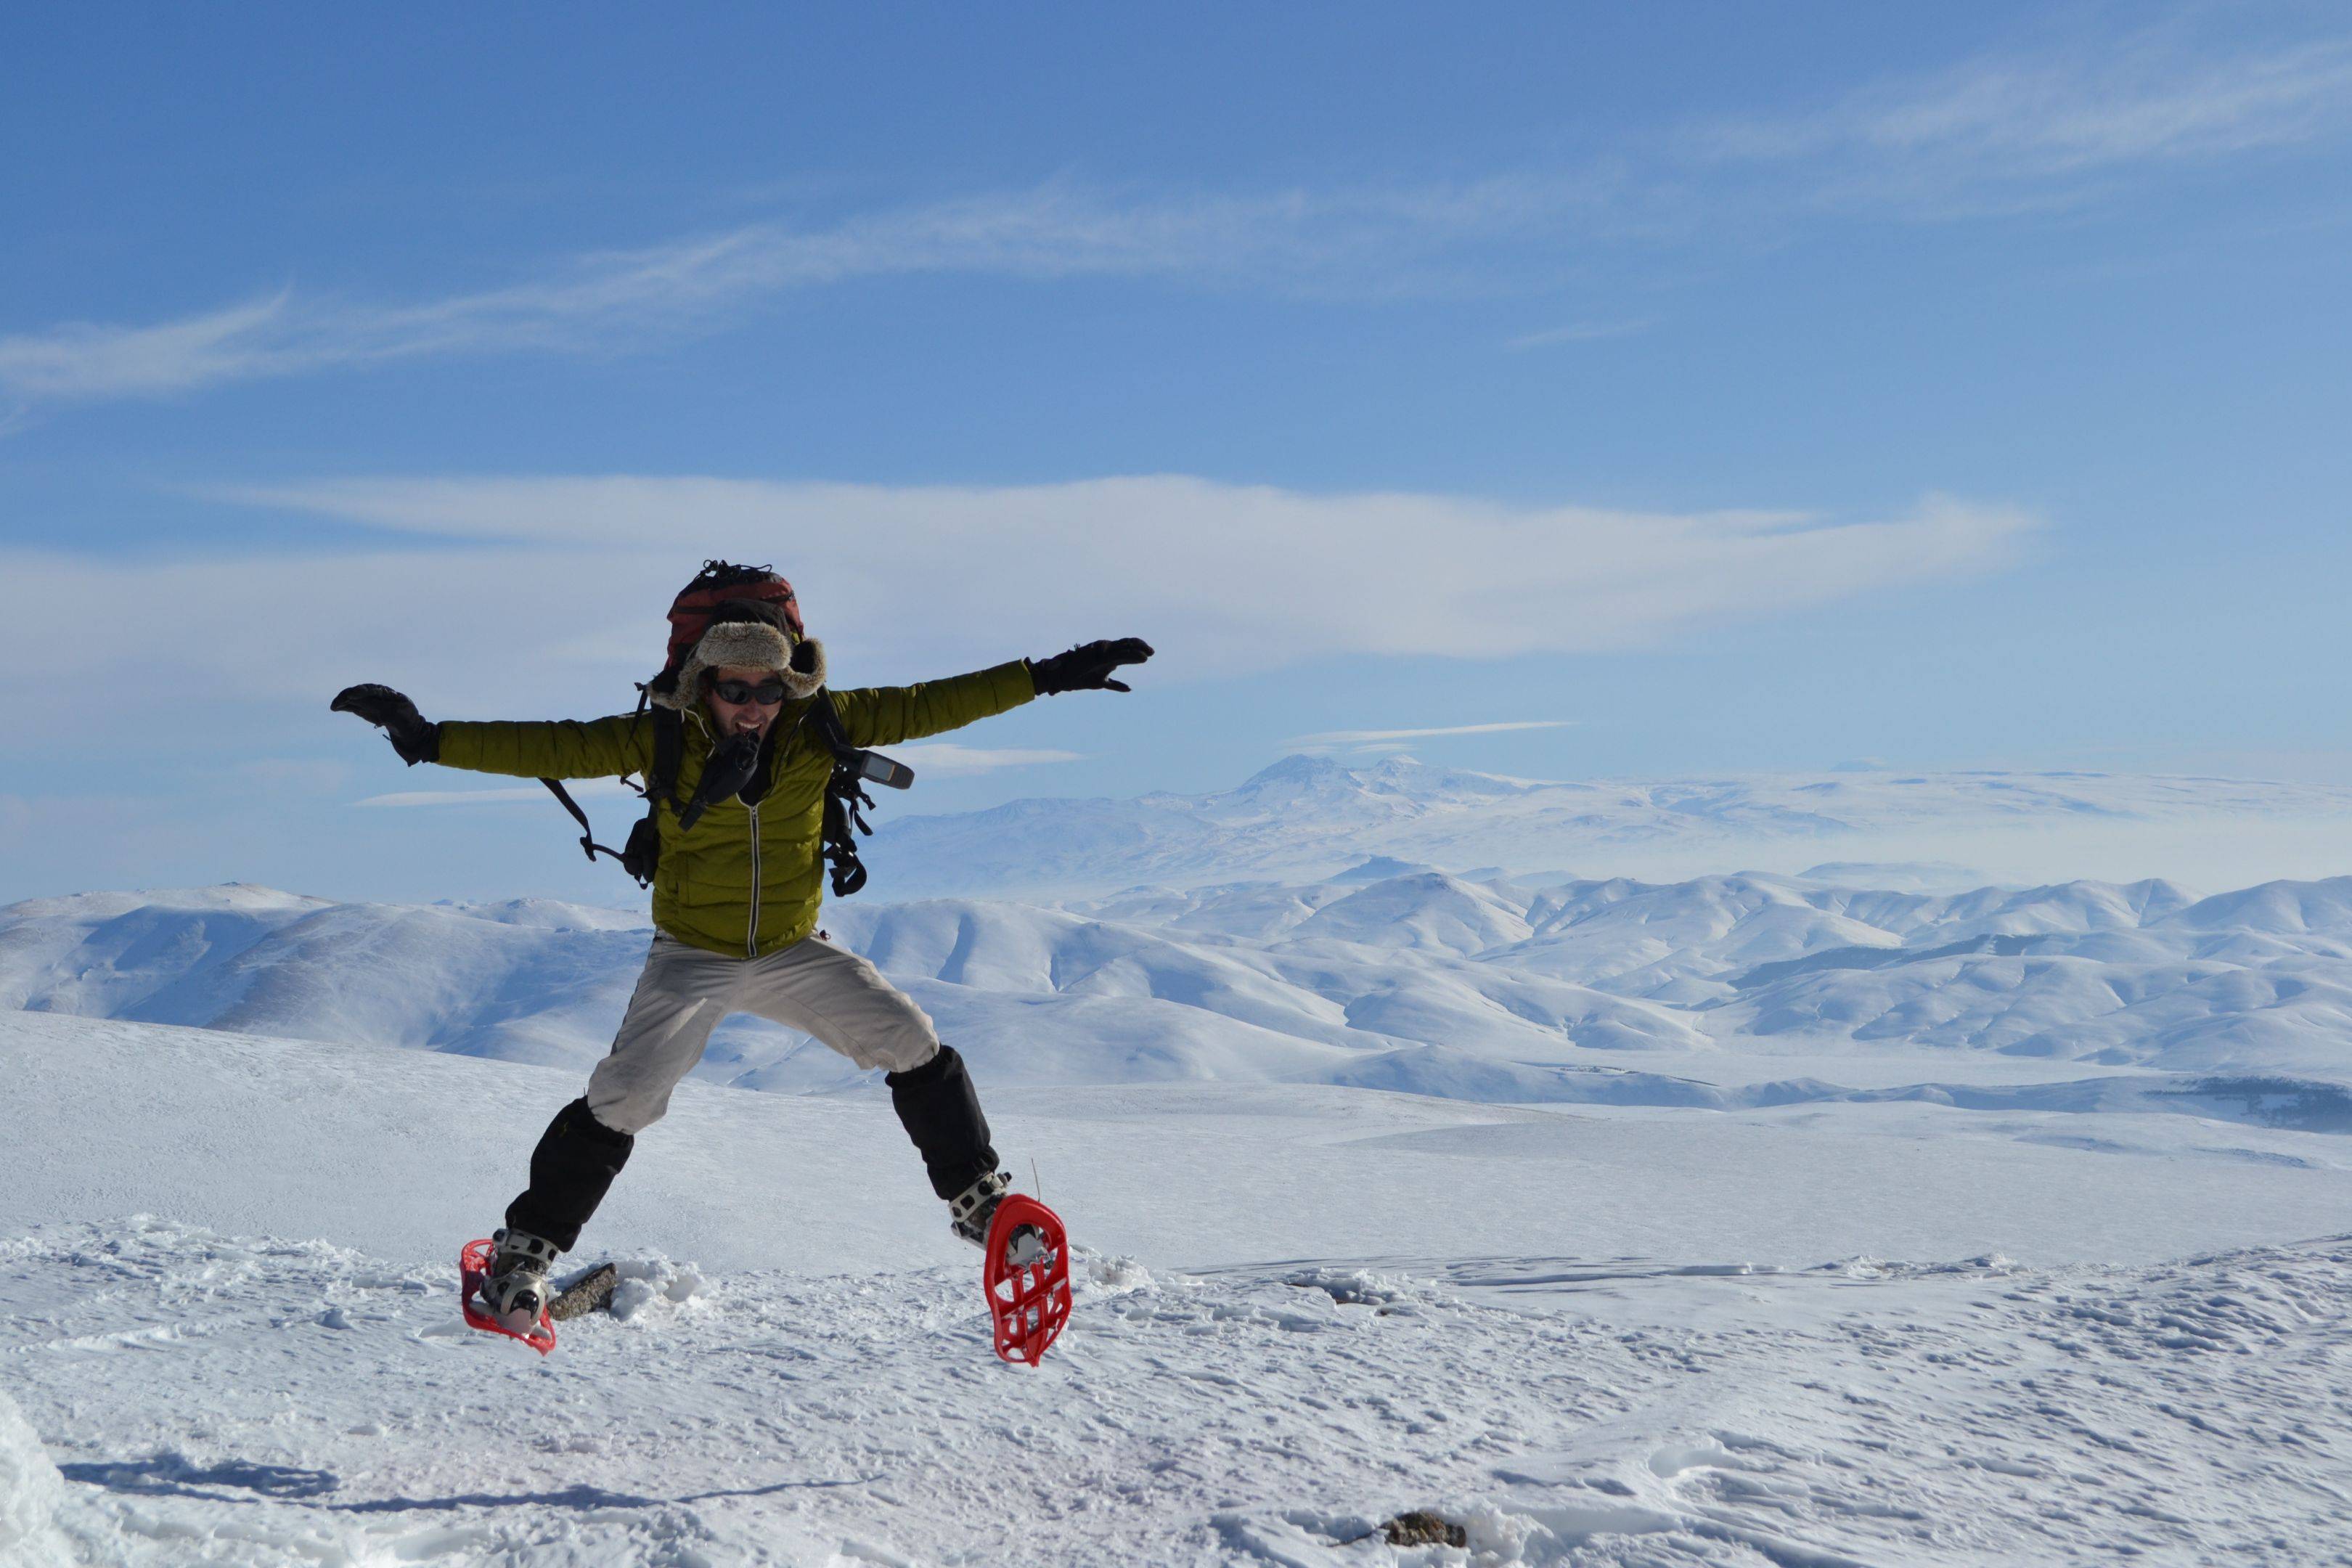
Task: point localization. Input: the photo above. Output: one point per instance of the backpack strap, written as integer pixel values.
(826, 718)
(670, 746)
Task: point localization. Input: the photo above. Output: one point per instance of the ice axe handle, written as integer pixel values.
(883, 770)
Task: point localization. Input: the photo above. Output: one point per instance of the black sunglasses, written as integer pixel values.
(767, 693)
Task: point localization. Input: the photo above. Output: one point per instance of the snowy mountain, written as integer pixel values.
(1306, 818)
(528, 981)
(1718, 990)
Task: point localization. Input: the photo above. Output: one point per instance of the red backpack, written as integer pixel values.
(690, 612)
(717, 583)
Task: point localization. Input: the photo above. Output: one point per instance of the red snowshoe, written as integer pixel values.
(1029, 1299)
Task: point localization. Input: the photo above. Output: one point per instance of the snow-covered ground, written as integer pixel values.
(1889, 1332)
(297, 1401)
(301, 1403)
(1864, 1216)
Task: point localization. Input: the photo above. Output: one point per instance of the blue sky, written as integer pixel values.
(1639, 390)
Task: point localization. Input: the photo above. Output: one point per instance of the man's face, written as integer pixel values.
(752, 716)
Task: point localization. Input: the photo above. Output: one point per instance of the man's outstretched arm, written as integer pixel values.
(886, 715)
(601, 748)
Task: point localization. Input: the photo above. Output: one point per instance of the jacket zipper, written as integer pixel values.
(751, 935)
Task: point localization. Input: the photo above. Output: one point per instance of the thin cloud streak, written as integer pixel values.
(1351, 239)
(1364, 738)
(1580, 332)
(589, 787)
(2005, 132)
(948, 760)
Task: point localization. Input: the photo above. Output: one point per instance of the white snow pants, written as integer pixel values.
(812, 986)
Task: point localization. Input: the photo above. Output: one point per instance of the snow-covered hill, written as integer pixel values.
(1306, 818)
(528, 981)
(1719, 990)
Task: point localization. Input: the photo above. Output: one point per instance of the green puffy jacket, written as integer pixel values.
(747, 879)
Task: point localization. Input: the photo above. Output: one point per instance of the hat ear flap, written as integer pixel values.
(805, 675)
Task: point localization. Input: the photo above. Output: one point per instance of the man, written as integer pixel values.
(735, 899)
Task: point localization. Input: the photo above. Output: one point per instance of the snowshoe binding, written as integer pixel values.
(1027, 1268)
(972, 1212)
(503, 1286)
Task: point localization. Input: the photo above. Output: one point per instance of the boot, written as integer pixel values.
(516, 1291)
(971, 1211)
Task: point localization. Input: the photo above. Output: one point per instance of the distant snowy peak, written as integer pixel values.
(1311, 817)
(1394, 782)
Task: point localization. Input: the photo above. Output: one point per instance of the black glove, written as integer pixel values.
(728, 770)
(411, 736)
(1087, 666)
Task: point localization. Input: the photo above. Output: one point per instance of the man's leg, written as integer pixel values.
(679, 999)
(844, 1001)
(940, 1111)
(572, 1169)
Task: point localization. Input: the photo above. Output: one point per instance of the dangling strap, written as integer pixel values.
(588, 845)
(841, 813)
(844, 795)
(661, 780)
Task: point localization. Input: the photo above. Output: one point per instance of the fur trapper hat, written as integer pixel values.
(745, 634)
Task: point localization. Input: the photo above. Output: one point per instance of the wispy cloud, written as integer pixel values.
(940, 759)
(1367, 738)
(1358, 238)
(1580, 332)
(2054, 126)
(77, 361)
(908, 581)
(946, 759)
(590, 787)
(2032, 127)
